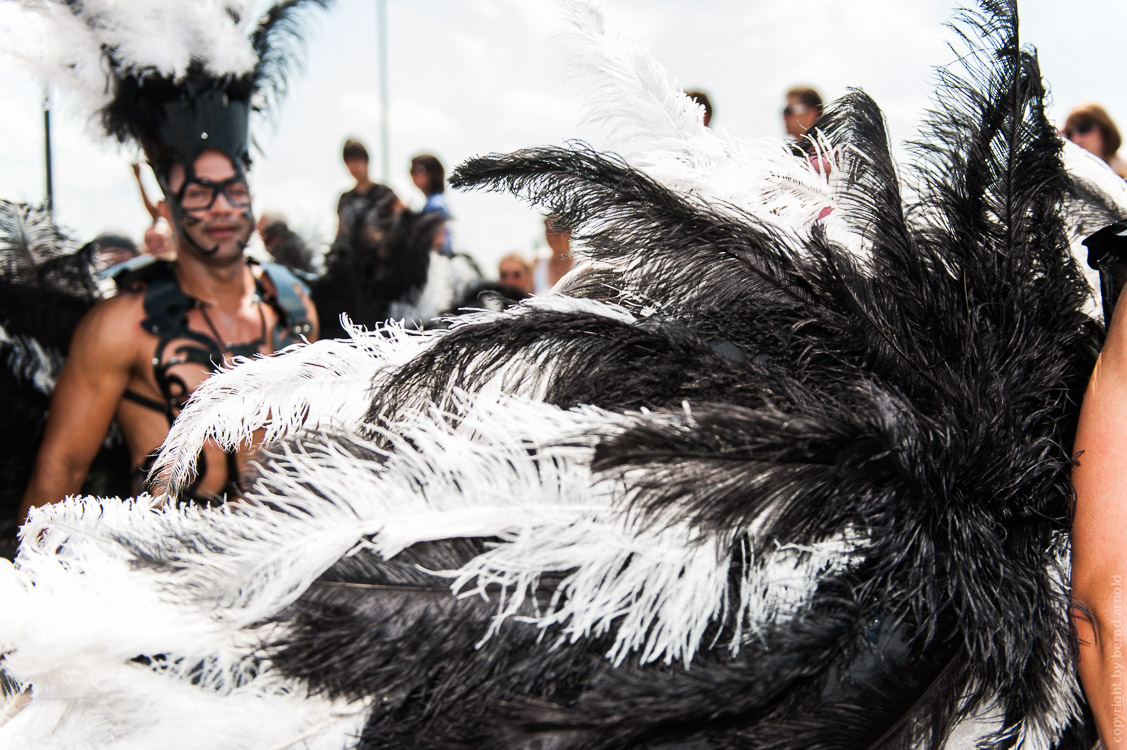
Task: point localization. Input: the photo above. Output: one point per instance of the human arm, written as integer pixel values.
(310, 313)
(87, 394)
(152, 208)
(1099, 538)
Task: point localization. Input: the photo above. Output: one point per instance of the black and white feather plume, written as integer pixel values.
(47, 284)
(127, 61)
(761, 480)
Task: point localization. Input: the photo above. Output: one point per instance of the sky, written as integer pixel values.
(469, 77)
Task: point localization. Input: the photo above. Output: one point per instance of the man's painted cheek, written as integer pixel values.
(248, 217)
(190, 222)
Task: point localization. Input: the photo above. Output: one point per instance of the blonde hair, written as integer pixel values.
(519, 259)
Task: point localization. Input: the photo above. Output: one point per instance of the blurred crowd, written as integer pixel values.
(520, 272)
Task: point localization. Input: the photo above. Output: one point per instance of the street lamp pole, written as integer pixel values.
(47, 149)
(385, 149)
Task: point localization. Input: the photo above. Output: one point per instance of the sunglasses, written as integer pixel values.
(200, 194)
(1082, 129)
(795, 109)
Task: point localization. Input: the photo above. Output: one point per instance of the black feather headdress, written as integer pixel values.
(784, 469)
(175, 78)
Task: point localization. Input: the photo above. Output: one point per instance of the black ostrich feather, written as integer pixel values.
(46, 285)
(675, 247)
(278, 40)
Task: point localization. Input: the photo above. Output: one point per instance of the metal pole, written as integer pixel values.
(47, 148)
(385, 149)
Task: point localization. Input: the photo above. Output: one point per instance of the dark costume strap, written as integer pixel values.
(1107, 253)
(293, 318)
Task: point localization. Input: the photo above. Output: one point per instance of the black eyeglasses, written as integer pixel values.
(199, 194)
(1082, 129)
(795, 109)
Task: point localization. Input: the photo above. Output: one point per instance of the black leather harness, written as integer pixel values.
(166, 317)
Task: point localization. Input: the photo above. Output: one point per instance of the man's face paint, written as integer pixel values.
(211, 207)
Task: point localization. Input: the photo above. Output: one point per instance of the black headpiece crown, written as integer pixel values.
(176, 120)
(177, 113)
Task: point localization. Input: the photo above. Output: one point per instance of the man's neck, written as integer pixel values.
(225, 286)
(363, 184)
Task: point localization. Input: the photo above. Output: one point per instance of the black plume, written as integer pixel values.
(278, 41)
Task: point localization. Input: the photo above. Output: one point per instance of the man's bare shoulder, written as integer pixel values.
(112, 328)
(123, 307)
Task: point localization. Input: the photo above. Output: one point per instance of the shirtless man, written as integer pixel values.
(136, 357)
(1099, 522)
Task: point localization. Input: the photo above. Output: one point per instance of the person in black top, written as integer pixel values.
(360, 211)
(380, 252)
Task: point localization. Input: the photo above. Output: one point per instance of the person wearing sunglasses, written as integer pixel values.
(1091, 128)
(804, 106)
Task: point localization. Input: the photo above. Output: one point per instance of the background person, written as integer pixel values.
(702, 99)
(804, 106)
(285, 245)
(429, 176)
(551, 266)
(516, 272)
(151, 207)
(1091, 128)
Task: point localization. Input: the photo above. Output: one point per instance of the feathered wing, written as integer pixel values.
(450, 280)
(906, 323)
(46, 286)
(793, 487)
(381, 259)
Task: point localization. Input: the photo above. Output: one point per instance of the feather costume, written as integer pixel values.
(763, 479)
(174, 78)
(46, 285)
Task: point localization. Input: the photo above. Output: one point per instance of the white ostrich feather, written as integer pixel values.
(507, 469)
(327, 385)
(78, 610)
(316, 386)
(65, 45)
(659, 130)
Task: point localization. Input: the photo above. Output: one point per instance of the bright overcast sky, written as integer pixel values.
(477, 76)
